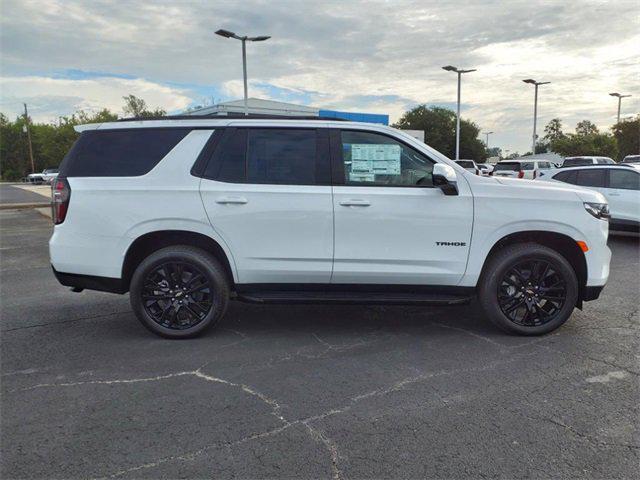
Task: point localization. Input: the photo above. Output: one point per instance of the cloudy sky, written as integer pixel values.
(371, 56)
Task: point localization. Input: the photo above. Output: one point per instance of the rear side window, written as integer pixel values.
(120, 153)
(625, 180)
(465, 163)
(527, 165)
(275, 156)
(591, 177)
(568, 177)
(281, 156)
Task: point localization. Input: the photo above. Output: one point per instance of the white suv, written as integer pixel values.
(528, 169)
(186, 214)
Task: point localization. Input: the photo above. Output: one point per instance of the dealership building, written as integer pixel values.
(258, 106)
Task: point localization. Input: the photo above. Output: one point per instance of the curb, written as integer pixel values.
(15, 206)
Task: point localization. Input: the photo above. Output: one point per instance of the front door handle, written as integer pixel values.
(231, 200)
(355, 203)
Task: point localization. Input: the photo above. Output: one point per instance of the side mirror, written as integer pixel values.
(445, 178)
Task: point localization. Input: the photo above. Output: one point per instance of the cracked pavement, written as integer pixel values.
(310, 391)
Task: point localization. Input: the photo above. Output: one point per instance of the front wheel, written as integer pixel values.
(528, 289)
(178, 292)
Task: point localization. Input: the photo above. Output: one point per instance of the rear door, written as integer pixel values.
(267, 194)
(623, 193)
(392, 226)
(593, 179)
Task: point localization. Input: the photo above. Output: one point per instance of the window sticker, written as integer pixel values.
(376, 159)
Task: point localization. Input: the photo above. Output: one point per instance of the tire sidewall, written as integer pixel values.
(497, 271)
(209, 269)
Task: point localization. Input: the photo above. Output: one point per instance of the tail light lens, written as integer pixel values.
(520, 174)
(60, 195)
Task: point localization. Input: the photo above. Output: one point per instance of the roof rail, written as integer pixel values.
(232, 117)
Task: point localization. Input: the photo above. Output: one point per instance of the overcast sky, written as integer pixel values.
(370, 56)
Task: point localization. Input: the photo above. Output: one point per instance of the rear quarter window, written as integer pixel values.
(120, 153)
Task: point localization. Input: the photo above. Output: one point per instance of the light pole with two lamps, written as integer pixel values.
(244, 39)
(620, 97)
(451, 68)
(535, 111)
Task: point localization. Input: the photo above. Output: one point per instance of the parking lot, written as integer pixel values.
(310, 391)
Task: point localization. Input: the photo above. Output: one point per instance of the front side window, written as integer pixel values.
(624, 180)
(576, 162)
(377, 160)
(527, 166)
(465, 163)
(507, 167)
(591, 177)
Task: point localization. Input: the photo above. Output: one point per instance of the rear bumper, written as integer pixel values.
(90, 282)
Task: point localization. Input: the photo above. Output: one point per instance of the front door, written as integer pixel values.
(391, 225)
(267, 194)
(623, 193)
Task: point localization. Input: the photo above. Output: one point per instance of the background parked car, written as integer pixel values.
(530, 169)
(469, 165)
(579, 161)
(620, 184)
(631, 159)
(46, 176)
(485, 169)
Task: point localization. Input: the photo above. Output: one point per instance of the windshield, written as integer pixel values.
(631, 159)
(507, 167)
(576, 162)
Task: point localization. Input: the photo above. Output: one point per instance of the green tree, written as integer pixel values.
(439, 126)
(553, 131)
(585, 127)
(137, 107)
(601, 144)
(627, 135)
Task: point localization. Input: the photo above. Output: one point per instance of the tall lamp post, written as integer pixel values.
(450, 68)
(535, 111)
(244, 39)
(487, 142)
(620, 97)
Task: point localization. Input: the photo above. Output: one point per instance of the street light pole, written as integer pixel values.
(244, 39)
(451, 68)
(535, 111)
(620, 97)
(487, 142)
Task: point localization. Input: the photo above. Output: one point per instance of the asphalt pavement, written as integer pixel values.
(14, 194)
(309, 391)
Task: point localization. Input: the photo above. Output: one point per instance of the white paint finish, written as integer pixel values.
(392, 240)
(106, 214)
(277, 233)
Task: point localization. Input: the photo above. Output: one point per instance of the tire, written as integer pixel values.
(195, 302)
(507, 293)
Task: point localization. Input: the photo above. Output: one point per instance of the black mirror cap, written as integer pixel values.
(447, 187)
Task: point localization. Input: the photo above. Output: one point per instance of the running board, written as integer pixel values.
(376, 298)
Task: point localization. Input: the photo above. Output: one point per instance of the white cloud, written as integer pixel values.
(49, 98)
(375, 56)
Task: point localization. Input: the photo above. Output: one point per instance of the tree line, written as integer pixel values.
(51, 141)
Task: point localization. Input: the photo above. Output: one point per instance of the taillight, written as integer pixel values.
(520, 174)
(60, 195)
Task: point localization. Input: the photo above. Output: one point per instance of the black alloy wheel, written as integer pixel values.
(177, 295)
(532, 292)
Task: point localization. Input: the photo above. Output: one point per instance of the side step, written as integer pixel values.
(377, 298)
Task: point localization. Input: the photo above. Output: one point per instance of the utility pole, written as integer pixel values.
(487, 142)
(28, 130)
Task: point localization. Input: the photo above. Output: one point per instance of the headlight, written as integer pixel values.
(598, 210)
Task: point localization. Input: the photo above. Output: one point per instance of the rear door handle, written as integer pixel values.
(355, 203)
(231, 200)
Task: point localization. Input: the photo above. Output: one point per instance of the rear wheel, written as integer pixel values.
(528, 289)
(178, 292)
